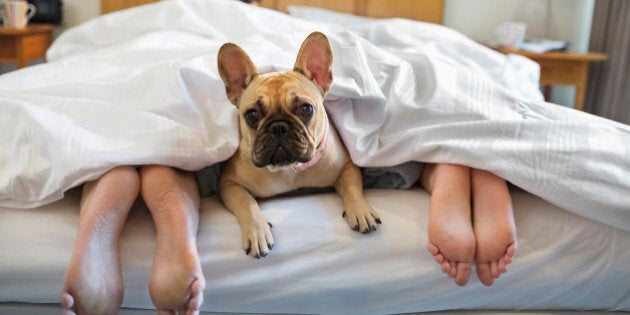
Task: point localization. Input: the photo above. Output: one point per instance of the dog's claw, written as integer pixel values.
(378, 220)
(343, 215)
(270, 225)
(248, 250)
(356, 227)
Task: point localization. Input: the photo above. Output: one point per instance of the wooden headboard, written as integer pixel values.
(421, 10)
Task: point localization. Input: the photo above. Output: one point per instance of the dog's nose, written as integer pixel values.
(279, 128)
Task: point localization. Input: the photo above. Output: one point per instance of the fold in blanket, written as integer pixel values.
(141, 86)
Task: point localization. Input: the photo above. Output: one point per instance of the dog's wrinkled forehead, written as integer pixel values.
(278, 90)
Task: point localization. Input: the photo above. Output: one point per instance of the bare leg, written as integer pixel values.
(451, 238)
(494, 227)
(177, 281)
(93, 282)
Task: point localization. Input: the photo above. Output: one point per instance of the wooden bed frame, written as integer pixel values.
(420, 10)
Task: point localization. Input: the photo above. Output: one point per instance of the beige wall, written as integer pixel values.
(555, 19)
(78, 11)
(568, 20)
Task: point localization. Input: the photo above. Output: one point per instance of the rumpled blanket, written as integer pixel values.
(141, 86)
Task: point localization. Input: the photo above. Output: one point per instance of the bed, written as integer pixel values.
(146, 95)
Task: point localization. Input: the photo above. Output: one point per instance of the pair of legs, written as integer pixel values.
(470, 221)
(93, 282)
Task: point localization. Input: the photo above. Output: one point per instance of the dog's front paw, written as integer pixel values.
(257, 237)
(362, 218)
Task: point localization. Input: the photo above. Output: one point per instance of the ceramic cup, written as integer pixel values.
(16, 13)
(510, 35)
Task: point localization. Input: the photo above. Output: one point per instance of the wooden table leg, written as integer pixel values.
(21, 60)
(580, 86)
(547, 92)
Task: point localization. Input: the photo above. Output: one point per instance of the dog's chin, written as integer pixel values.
(283, 167)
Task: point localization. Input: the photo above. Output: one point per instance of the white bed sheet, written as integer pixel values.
(320, 266)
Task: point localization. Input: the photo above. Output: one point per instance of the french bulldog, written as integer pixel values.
(286, 141)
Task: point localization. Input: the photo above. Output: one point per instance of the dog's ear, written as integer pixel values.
(236, 70)
(314, 60)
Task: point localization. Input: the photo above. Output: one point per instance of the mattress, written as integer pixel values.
(320, 266)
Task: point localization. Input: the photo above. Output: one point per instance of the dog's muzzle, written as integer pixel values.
(279, 143)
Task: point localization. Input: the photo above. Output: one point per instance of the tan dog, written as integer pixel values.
(286, 141)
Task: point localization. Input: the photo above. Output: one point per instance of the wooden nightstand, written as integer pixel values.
(560, 68)
(20, 46)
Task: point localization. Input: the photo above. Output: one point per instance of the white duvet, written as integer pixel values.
(141, 86)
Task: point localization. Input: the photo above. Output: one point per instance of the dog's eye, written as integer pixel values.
(252, 117)
(306, 110)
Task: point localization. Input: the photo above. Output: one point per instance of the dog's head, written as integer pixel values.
(282, 116)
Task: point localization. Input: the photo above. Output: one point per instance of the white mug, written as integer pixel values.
(510, 35)
(16, 13)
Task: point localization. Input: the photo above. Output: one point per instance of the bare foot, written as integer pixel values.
(451, 238)
(494, 226)
(85, 293)
(452, 244)
(93, 282)
(177, 280)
